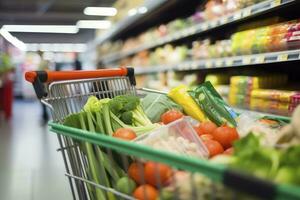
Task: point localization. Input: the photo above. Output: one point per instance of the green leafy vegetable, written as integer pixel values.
(279, 165)
(128, 108)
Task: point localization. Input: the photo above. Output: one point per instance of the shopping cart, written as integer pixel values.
(91, 158)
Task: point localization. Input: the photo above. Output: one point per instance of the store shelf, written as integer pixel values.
(127, 22)
(251, 11)
(235, 61)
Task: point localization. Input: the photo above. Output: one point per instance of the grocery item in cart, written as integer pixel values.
(213, 105)
(180, 95)
(155, 104)
(177, 137)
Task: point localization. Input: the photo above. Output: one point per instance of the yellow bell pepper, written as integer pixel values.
(180, 95)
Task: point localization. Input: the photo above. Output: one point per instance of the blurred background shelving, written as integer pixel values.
(250, 41)
(167, 42)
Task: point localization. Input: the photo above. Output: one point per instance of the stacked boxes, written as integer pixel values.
(251, 92)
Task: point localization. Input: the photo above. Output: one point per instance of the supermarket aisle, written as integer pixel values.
(30, 168)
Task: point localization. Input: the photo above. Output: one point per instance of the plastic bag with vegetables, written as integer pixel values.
(155, 105)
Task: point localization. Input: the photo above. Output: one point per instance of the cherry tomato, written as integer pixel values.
(157, 174)
(171, 116)
(214, 147)
(226, 136)
(136, 172)
(205, 128)
(145, 192)
(125, 134)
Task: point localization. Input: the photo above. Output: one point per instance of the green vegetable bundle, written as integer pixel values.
(278, 165)
(105, 116)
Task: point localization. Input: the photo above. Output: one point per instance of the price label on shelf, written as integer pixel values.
(260, 59)
(219, 63)
(276, 3)
(237, 15)
(246, 60)
(246, 12)
(224, 20)
(213, 23)
(205, 26)
(194, 65)
(193, 30)
(208, 64)
(282, 57)
(229, 62)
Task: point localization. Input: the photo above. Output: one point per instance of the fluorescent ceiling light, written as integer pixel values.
(13, 40)
(41, 28)
(56, 47)
(94, 24)
(100, 11)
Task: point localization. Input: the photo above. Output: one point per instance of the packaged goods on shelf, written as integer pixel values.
(211, 10)
(275, 95)
(246, 91)
(242, 86)
(277, 101)
(278, 37)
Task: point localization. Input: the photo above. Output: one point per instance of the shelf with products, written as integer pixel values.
(234, 61)
(266, 91)
(128, 21)
(204, 27)
(143, 15)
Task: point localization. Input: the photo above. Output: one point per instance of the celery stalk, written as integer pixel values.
(92, 162)
(100, 168)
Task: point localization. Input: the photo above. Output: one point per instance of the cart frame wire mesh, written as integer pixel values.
(65, 96)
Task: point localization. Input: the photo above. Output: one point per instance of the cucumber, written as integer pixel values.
(207, 106)
(221, 109)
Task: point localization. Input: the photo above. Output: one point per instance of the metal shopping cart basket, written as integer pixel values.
(96, 162)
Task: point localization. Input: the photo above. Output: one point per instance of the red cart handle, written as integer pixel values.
(50, 76)
(37, 78)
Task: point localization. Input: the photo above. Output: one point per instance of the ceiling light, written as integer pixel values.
(132, 12)
(94, 24)
(41, 28)
(56, 47)
(100, 11)
(13, 40)
(142, 10)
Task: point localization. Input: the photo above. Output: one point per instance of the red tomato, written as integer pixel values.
(226, 136)
(136, 172)
(171, 116)
(214, 147)
(157, 174)
(145, 192)
(205, 128)
(125, 134)
(206, 137)
(229, 151)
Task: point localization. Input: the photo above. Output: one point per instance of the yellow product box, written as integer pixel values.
(278, 95)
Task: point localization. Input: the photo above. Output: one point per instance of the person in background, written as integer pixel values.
(77, 63)
(44, 65)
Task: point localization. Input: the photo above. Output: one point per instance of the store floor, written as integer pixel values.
(30, 167)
